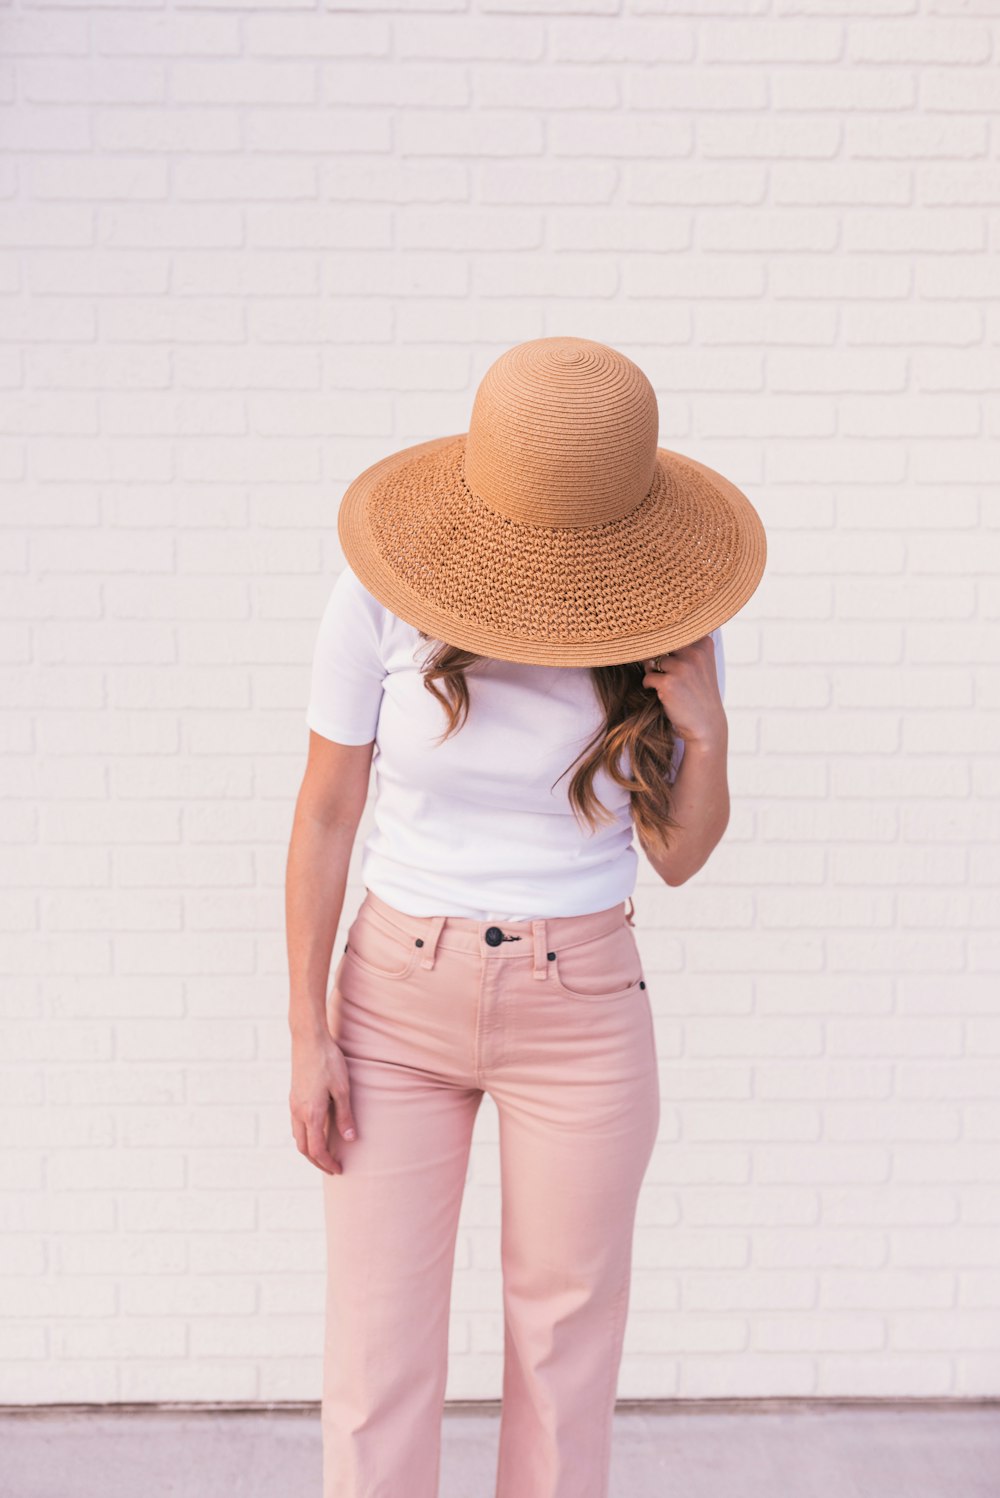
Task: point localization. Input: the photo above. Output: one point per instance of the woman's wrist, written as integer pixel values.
(307, 1020)
(714, 740)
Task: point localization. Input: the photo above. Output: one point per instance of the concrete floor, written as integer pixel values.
(781, 1449)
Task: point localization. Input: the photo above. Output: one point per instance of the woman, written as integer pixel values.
(525, 642)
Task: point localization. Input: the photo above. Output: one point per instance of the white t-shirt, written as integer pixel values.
(477, 825)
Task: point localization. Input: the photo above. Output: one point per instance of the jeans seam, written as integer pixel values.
(618, 1324)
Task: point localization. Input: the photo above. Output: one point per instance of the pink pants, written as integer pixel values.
(551, 1018)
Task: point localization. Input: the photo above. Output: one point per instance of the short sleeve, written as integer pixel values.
(345, 693)
(720, 671)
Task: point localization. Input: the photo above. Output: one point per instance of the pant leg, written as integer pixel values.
(391, 1225)
(579, 1107)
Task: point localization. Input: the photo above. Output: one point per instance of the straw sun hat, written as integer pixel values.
(554, 531)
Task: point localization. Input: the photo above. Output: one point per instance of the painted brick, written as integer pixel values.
(263, 250)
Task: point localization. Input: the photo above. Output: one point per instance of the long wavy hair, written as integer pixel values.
(634, 719)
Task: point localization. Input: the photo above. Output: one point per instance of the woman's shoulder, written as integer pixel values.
(348, 585)
(720, 660)
(362, 616)
(351, 601)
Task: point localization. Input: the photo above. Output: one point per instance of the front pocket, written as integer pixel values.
(608, 966)
(380, 948)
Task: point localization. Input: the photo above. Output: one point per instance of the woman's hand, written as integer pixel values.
(320, 1099)
(688, 687)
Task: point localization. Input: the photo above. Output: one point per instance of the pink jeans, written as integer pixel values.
(551, 1018)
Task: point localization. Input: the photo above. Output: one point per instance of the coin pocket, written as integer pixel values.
(381, 948)
(608, 966)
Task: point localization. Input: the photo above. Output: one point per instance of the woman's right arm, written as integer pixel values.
(330, 805)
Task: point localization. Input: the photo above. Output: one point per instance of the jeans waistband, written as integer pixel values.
(516, 938)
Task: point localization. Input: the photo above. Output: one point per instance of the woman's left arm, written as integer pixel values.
(688, 688)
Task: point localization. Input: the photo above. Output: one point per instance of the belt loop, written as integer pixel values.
(541, 968)
(433, 929)
(630, 912)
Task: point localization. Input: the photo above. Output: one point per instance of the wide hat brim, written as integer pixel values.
(680, 564)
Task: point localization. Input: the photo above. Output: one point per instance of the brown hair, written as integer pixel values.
(634, 720)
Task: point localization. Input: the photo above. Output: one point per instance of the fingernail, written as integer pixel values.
(349, 1134)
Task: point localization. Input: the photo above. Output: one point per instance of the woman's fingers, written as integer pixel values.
(342, 1111)
(666, 655)
(317, 1121)
(320, 1088)
(658, 663)
(309, 1128)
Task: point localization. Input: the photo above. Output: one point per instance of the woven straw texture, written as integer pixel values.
(555, 531)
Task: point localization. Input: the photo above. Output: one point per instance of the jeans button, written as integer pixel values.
(494, 936)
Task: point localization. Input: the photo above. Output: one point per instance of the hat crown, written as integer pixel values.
(563, 432)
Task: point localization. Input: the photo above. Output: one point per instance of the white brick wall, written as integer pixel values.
(246, 251)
